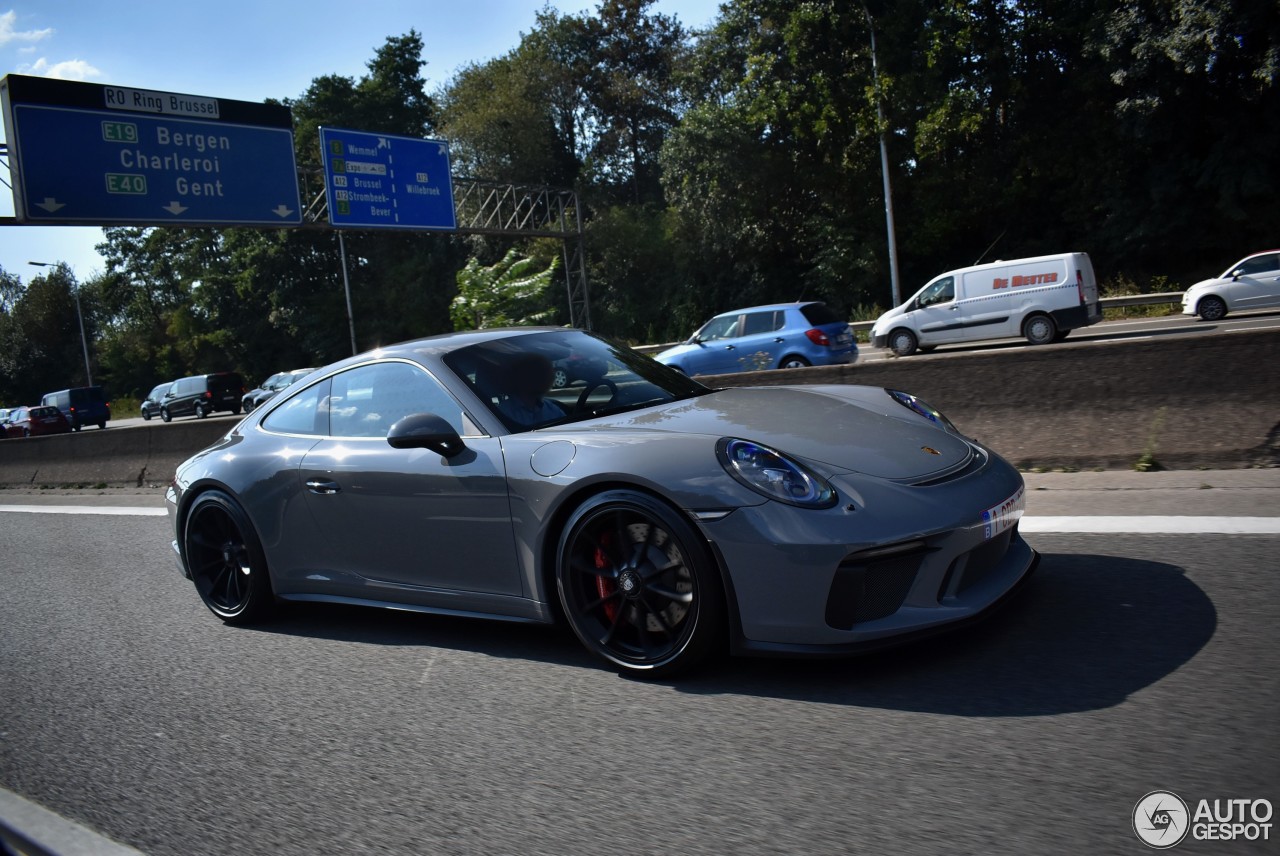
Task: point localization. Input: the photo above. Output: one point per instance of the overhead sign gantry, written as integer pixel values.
(89, 153)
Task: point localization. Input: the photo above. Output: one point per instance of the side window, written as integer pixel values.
(1259, 264)
(304, 413)
(757, 323)
(367, 401)
(720, 328)
(942, 291)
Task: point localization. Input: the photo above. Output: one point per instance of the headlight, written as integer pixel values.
(915, 405)
(773, 474)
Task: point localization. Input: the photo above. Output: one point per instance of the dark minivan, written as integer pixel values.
(83, 405)
(200, 395)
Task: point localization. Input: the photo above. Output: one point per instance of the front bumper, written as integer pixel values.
(889, 563)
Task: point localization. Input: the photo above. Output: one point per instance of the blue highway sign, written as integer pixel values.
(104, 154)
(381, 181)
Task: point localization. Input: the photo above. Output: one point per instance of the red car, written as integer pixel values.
(36, 421)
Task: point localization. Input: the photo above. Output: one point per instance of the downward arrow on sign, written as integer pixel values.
(50, 204)
(174, 208)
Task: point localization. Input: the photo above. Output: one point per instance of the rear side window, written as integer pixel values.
(304, 413)
(755, 323)
(818, 314)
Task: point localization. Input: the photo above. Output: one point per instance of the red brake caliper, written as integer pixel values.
(605, 586)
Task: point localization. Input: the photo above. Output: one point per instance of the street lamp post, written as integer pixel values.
(84, 342)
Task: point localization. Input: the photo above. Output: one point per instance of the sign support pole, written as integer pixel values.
(346, 286)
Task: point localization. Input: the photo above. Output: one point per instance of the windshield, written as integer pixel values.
(535, 380)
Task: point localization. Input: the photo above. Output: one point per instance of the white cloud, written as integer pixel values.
(8, 34)
(72, 69)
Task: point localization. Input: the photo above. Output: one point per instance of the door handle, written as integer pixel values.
(730, 347)
(324, 488)
(779, 339)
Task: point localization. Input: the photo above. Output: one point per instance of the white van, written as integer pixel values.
(1042, 298)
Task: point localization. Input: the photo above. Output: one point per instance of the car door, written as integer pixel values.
(408, 516)
(936, 316)
(760, 344)
(717, 347)
(1257, 283)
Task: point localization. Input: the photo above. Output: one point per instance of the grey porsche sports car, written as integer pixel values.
(660, 519)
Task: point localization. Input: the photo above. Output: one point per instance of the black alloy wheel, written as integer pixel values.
(638, 587)
(1212, 308)
(225, 560)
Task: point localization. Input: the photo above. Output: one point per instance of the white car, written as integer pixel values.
(1251, 283)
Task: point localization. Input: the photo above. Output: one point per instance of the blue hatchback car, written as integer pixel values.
(777, 336)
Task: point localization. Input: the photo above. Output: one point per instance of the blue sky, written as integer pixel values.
(241, 50)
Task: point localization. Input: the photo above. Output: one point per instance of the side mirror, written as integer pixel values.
(1236, 274)
(425, 431)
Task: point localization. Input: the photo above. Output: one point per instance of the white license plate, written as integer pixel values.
(1000, 517)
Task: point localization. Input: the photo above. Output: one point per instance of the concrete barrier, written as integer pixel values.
(146, 454)
(1185, 402)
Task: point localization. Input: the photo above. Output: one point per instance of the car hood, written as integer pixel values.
(895, 312)
(862, 429)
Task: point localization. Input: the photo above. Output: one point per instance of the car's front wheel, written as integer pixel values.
(146, 416)
(225, 559)
(903, 342)
(165, 415)
(637, 586)
(1212, 308)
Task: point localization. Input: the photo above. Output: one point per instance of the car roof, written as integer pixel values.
(768, 307)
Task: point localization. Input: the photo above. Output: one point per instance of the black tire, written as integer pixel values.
(794, 361)
(225, 560)
(235, 411)
(903, 342)
(76, 427)
(1039, 329)
(102, 424)
(146, 416)
(201, 412)
(637, 585)
(1211, 308)
(165, 415)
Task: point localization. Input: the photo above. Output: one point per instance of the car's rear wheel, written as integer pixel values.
(165, 415)
(793, 362)
(201, 412)
(560, 379)
(225, 559)
(1039, 329)
(903, 342)
(1212, 308)
(637, 586)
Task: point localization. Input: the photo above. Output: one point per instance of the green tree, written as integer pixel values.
(511, 292)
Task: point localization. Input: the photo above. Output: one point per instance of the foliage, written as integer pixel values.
(510, 293)
(723, 168)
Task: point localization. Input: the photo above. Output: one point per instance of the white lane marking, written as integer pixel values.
(1082, 524)
(117, 510)
(1252, 329)
(1152, 525)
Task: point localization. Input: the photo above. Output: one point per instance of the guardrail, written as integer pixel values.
(1107, 303)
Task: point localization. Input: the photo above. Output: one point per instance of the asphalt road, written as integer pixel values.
(1133, 662)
